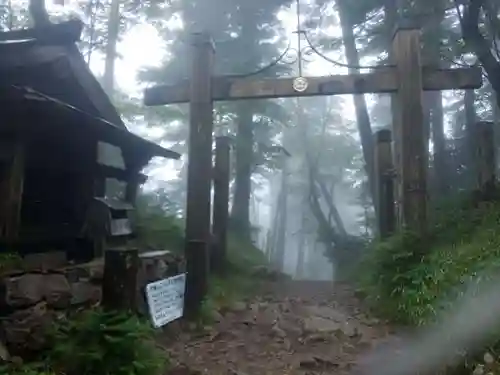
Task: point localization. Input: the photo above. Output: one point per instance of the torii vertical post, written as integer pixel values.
(384, 184)
(199, 173)
(221, 204)
(411, 145)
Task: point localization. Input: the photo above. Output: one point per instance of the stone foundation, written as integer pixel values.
(33, 297)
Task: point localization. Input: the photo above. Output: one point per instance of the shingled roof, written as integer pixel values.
(47, 61)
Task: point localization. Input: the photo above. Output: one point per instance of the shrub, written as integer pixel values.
(410, 279)
(31, 369)
(101, 343)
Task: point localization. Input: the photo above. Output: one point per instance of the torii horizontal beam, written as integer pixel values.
(381, 81)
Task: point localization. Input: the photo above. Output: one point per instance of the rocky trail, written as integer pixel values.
(292, 327)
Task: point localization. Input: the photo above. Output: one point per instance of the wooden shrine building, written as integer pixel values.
(62, 142)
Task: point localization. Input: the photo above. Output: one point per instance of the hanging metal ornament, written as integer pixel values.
(300, 84)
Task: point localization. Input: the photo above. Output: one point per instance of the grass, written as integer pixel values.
(239, 283)
(411, 280)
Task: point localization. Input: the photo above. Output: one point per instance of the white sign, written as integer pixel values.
(166, 299)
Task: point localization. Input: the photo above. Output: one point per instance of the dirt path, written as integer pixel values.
(295, 327)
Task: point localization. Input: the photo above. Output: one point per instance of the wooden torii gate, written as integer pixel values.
(406, 79)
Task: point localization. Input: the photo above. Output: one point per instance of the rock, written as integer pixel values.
(264, 272)
(318, 363)
(327, 313)
(16, 361)
(23, 291)
(26, 329)
(348, 329)
(488, 358)
(236, 372)
(217, 316)
(290, 327)
(239, 307)
(94, 269)
(45, 261)
(83, 292)
(372, 322)
(56, 290)
(321, 325)
(277, 331)
(317, 337)
(183, 370)
(4, 353)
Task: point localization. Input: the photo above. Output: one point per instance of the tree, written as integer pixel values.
(243, 32)
(484, 47)
(113, 31)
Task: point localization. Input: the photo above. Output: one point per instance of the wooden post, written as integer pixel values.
(411, 144)
(13, 185)
(221, 204)
(199, 173)
(384, 184)
(485, 156)
(197, 274)
(119, 286)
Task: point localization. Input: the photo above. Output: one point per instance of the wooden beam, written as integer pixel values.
(408, 122)
(380, 81)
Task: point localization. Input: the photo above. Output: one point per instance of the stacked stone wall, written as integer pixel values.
(43, 288)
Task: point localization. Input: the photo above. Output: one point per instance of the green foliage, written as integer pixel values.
(30, 369)
(9, 261)
(243, 255)
(410, 280)
(100, 343)
(237, 284)
(157, 226)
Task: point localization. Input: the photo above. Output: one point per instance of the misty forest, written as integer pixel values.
(308, 186)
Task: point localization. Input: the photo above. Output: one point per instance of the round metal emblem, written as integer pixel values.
(300, 84)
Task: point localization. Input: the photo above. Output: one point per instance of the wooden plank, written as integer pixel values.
(408, 121)
(199, 180)
(381, 81)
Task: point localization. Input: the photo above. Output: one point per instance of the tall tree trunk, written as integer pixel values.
(362, 116)
(475, 40)
(496, 123)
(299, 269)
(332, 208)
(240, 213)
(38, 13)
(282, 222)
(469, 144)
(108, 79)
